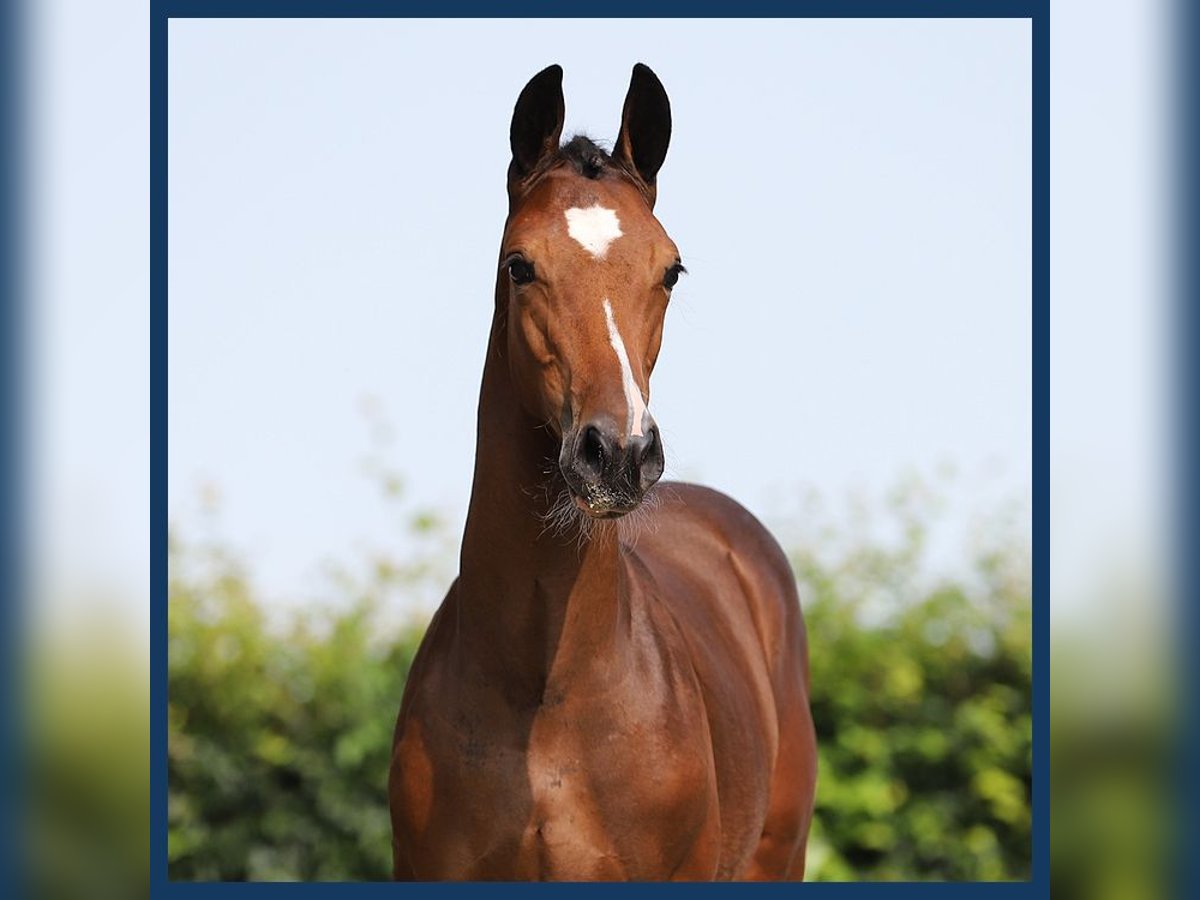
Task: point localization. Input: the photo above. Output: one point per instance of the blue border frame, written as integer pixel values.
(1035, 10)
(1185, 378)
(12, 391)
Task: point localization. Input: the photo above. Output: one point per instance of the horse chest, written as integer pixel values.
(578, 790)
(618, 789)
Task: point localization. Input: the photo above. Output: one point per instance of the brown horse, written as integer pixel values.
(599, 699)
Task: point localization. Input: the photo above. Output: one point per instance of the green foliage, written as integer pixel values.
(921, 699)
(280, 735)
(85, 759)
(279, 741)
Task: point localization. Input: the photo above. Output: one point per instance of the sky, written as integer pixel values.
(310, 163)
(852, 200)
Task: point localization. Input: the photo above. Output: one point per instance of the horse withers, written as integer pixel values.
(616, 684)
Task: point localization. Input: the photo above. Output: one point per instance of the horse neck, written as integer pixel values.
(531, 603)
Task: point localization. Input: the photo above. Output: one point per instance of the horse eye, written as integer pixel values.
(520, 271)
(672, 275)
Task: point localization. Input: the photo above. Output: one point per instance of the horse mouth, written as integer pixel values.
(599, 502)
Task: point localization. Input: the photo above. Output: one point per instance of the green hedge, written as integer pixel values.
(280, 731)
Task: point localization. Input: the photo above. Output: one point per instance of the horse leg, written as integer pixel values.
(401, 868)
(780, 854)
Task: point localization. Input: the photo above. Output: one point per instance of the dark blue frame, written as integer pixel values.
(1035, 10)
(12, 394)
(1185, 378)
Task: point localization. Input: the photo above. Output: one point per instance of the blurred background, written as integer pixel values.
(878, 294)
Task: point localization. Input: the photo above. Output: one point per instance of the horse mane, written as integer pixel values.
(585, 157)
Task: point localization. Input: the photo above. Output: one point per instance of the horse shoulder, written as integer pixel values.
(714, 534)
(725, 581)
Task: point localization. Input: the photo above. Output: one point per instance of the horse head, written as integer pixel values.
(585, 277)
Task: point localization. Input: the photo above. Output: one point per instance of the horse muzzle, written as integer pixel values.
(607, 472)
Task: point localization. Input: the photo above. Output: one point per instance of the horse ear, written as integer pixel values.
(537, 121)
(645, 125)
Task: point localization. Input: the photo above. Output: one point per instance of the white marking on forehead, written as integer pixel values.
(633, 394)
(594, 228)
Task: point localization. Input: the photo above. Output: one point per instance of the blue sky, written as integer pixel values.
(88, 239)
(851, 199)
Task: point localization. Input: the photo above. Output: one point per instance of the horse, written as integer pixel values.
(616, 684)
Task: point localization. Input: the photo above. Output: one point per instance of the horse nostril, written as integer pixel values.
(592, 450)
(627, 468)
(648, 459)
(643, 448)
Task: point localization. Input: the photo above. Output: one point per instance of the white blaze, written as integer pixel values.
(633, 394)
(594, 228)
